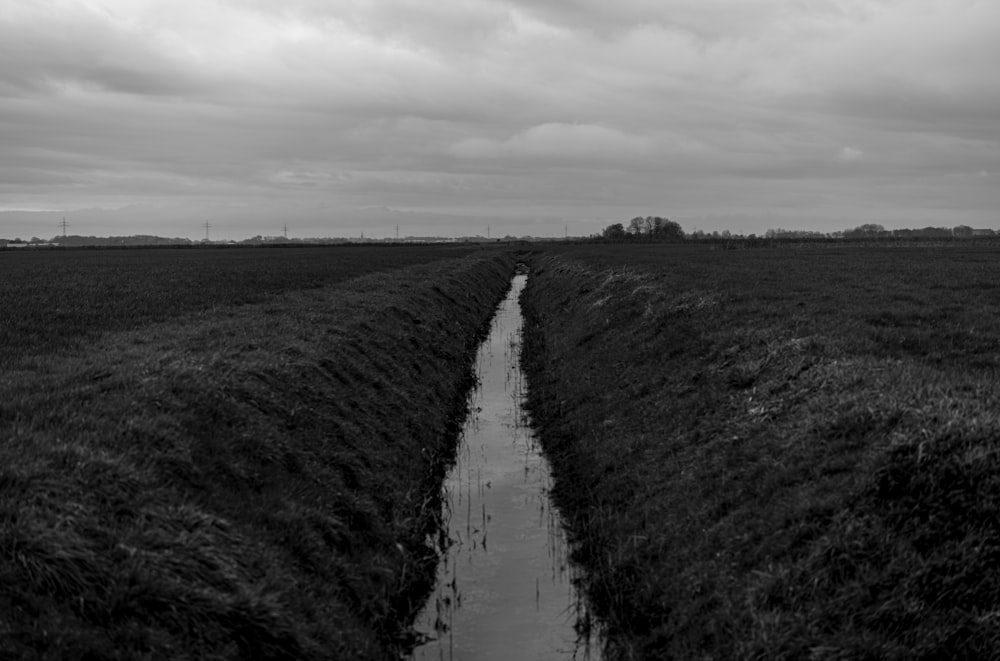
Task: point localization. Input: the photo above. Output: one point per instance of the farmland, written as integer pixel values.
(775, 453)
(53, 300)
(228, 454)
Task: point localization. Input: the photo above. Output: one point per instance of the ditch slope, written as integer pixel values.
(255, 482)
(746, 479)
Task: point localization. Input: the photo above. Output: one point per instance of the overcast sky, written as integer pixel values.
(342, 116)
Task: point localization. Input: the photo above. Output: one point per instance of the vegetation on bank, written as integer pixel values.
(255, 481)
(775, 454)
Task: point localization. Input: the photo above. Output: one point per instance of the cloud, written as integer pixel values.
(911, 63)
(710, 19)
(582, 145)
(49, 47)
(564, 109)
(850, 154)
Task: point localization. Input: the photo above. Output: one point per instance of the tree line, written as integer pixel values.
(649, 228)
(658, 229)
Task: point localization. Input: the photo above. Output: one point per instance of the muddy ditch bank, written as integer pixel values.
(744, 477)
(255, 482)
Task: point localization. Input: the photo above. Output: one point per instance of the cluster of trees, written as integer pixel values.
(74, 240)
(874, 231)
(794, 234)
(132, 240)
(649, 228)
(655, 228)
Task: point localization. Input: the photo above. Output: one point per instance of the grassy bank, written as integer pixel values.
(776, 454)
(254, 481)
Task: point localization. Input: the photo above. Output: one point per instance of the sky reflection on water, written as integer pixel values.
(505, 585)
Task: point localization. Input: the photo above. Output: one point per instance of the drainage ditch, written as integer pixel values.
(505, 587)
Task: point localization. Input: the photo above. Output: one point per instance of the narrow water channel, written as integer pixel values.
(505, 588)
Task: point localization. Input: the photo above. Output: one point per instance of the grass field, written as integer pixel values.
(776, 454)
(230, 454)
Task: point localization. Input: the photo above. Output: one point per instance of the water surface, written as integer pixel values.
(505, 588)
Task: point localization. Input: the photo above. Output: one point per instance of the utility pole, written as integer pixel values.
(566, 232)
(64, 225)
(286, 230)
(207, 227)
(487, 231)
(397, 233)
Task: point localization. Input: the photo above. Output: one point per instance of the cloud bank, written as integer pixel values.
(819, 115)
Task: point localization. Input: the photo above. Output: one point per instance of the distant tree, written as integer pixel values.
(636, 226)
(866, 231)
(794, 234)
(654, 228)
(614, 232)
(665, 230)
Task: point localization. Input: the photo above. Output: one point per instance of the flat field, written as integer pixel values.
(229, 454)
(776, 453)
(50, 300)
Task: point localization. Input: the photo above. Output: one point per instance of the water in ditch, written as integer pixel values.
(505, 584)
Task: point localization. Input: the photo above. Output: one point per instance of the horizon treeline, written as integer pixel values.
(656, 228)
(640, 228)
